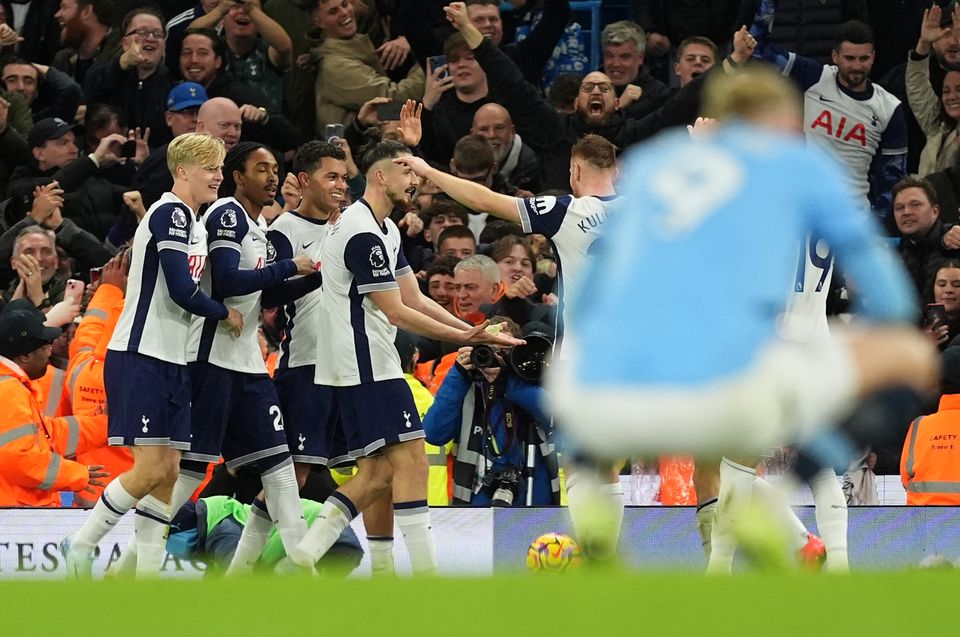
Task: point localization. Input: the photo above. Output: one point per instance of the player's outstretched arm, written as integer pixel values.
(470, 194)
(413, 298)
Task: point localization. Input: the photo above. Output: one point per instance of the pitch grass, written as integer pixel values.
(906, 603)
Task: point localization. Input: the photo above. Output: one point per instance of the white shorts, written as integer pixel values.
(793, 391)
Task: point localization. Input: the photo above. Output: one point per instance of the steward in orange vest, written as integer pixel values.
(36, 452)
(930, 463)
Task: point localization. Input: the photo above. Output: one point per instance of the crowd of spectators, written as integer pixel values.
(94, 90)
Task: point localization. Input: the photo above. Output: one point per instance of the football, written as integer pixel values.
(553, 553)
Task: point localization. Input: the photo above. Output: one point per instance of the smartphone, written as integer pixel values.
(129, 149)
(436, 62)
(95, 274)
(389, 112)
(331, 131)
(935, 312)
(74, 289)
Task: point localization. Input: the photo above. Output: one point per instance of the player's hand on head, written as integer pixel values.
(305, 265)
(416, 164)
(234, 320)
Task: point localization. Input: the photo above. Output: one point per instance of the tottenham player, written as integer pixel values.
(572, 224)
(235, 410)
(733, 384)
(369, 291)
(145, 374)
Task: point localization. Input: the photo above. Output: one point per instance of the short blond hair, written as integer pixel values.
(195, 149)
(748, 93)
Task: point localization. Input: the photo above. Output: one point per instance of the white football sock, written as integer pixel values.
(705, 516)
(282, 494)
(334, 517)
(150, 526)
(255, 534)
(831, 510)
(187, 482)
(127, 564)
(414, 523)
(113, 503)
(774, 501)
(381, 555)
(736, 483)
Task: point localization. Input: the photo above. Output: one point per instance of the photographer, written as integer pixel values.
(494, 413)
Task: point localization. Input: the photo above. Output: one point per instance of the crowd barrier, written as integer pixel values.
(482, 542)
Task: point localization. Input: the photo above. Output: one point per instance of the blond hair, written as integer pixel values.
(749, 93)
(195, 149)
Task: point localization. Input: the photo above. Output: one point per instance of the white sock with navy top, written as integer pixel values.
(381, 555)
(113, 503)
(254, 537)
(150, 526)
(413, 518)
(282, 495)
(334, 517)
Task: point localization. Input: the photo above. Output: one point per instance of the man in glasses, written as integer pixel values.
(134, 80)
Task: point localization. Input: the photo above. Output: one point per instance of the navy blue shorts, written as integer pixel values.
(378, 414)
(311, 418)
(148, 400)
(234, 414)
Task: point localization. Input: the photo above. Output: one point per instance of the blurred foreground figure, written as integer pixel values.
(657, 378)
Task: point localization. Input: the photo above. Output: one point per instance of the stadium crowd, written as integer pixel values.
(499, 94)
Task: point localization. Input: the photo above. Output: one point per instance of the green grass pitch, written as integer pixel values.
(904, 603)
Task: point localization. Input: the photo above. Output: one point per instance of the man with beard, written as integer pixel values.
(517, 163)
(596, 109)
(85, 31)
(946, 57)
(369, 291)
(861, 123)
(135, 80)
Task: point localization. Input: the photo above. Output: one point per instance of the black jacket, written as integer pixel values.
(553, 134)
(277, 133)
(530, 54)
(680, 19)
(14, 152)
(446, 123)
(40, 32)
(922, 256)
(655, 94)
(57, 96)
(90, 200)
(946, 183)
(142, 102)
(807, 27)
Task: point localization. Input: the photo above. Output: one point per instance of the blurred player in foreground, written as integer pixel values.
(653, 377)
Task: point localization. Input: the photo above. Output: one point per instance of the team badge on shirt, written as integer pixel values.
(229, 219)
(271, 253)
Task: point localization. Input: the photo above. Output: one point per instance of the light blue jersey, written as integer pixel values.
(691, 276)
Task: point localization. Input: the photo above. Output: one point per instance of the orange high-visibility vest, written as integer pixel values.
(37, 452)
(930, 463)
(85, 379)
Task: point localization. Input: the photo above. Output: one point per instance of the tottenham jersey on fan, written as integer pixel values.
(151, 323)
(691, 281)
(292, 235)
(855, 129)
(229, 227)
(359, 256)
(572, 224)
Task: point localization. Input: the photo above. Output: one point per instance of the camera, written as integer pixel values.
(528, 361)
(505, 486)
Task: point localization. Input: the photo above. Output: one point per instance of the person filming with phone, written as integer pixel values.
(941, 319)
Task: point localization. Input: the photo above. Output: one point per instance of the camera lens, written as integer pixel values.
(502, 497)
(483, 357)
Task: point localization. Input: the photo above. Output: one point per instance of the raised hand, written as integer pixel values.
(410, 130)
